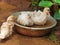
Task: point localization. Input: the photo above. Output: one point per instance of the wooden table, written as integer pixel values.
(17, 39)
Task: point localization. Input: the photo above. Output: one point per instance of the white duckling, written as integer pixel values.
(11, 20)
(40, 18)
(25, 19)
(7, 28)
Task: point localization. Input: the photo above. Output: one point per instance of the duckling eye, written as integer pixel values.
(29, 17)
(48, 10)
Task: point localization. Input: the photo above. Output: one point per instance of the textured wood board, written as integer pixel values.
(6, 7)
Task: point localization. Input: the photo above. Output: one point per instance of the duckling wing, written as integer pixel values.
(4, 31)
(42, 19)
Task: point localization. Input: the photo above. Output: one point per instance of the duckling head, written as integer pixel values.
(46, 11)
(11, 18)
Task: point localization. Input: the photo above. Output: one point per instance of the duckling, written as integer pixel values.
(25, 19)
(11, 19)
(39, 17)
(7, 28)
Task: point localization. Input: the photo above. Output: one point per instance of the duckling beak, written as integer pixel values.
(48, 13)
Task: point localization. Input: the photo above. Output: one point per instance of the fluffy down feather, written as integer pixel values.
(25, 19)
(39, 17)
(7, 28)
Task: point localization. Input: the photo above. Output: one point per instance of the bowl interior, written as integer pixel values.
(50, 18)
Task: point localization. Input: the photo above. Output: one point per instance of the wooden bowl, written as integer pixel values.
(35, 30)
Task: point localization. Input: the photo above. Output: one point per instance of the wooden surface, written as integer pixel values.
(24, 40)
(17, 39)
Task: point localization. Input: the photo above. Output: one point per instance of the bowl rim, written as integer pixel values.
(51, 18)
